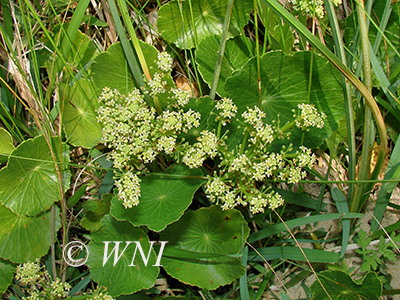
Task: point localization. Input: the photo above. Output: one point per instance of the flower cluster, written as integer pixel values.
(41, 286)
(129, 189)
(226, 110)
(206, 147)
(138, 135)
(59, 289)
(260, 132)
(28, 273)
(181, 96)
(309, 117)
(312, 6)
(164, 61)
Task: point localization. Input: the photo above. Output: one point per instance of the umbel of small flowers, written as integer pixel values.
(312, 6)
(137, 136)
(41, 286)
(32, 275)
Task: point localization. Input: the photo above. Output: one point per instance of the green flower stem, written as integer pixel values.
(219, 129)
(340, 52)
(287, 126)
(224, 36)
(244, 142)
(355, 204)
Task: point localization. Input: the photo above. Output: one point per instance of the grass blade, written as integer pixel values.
(218, 63)
(343, 208)
(267, 232)
(393, 172)
(129, 54)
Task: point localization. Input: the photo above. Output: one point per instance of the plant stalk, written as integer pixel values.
(355, 204)
(218, 63)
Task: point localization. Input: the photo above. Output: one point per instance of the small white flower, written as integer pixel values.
(215, 188)
(190, 119)
(241, 163)
(171, 121)
(167, 144)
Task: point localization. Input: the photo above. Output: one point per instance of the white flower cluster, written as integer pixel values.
(127, 126)
(164, 61)
(221, 192)
(181, 96)
(312, 6)
(157, 84)
(59, 289)
(28, 273)
(309, 117)
(129, 189)
(205, 147)
(260, 132)
(41, 286)
(226, 110)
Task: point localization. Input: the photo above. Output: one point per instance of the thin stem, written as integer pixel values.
(257, 52)
(218, 63)
(365, 155)
(340, 52)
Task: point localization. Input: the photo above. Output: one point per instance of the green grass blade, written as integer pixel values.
(387, 88)
(392, 172)
(72, 30)
(294, 253)
(275, 229)
(348, 101)
(129, 54)
(224, 36)
(244, 292)
(343, 208)
(128, 23)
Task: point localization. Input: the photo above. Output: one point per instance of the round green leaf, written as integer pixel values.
(237, 52)
(121, 278)
(7, 270)
(207, 230)
(110, 69)
(163, 199)
(29, 183)
(284, 85)
(340, 285)
(177, 25)
(6, 145)
(24, 238)
(80, 124)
